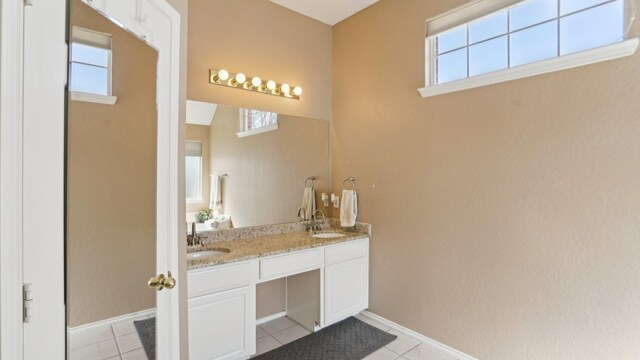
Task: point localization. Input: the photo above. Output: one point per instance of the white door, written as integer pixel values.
(41, 160)
(346, 289)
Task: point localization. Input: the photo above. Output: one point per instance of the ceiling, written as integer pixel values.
(329, 12)
(200, 113)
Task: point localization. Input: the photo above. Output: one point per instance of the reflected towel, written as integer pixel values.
(348, 208)
(309, 202)
(215, 197)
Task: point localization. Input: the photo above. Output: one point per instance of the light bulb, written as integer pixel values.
(241, 78)
(297, 91)
(271, 85)
(256, 81)
(285, 88)
(223, 75)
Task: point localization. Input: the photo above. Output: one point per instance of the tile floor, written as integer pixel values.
(284, 330)
(118, 341)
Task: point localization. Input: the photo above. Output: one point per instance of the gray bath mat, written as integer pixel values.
(147, 332)
(350, 339)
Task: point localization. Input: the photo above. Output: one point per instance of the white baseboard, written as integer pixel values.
(433, 343)
(271, 317)
(117, 319)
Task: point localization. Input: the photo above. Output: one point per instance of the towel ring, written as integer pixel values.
(353, 183)
(312, 179)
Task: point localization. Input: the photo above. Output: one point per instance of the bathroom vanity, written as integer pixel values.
(327, 281)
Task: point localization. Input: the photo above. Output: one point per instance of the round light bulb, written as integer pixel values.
(256, 81)
(297, 91)
(241, 78)
(223, 75)
(285, 88)
(271, 85)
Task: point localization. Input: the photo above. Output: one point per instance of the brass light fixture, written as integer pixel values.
(253, 83)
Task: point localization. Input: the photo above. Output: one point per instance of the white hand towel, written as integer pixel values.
(309, 202)
(348, 208)
(215, 196)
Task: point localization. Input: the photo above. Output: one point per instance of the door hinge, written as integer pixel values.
(27, 302)
(29, 2)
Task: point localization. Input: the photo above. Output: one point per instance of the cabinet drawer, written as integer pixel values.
(347, 251)
(294, 263)
(219, 278)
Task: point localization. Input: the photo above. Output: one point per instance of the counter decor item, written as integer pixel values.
(204, 215)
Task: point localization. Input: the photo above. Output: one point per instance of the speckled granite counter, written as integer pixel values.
(255, 242)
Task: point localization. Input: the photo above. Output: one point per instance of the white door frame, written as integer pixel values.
(12, 121)
(11, 44)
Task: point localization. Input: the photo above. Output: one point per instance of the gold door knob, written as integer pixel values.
(157, 282)
(169, 282)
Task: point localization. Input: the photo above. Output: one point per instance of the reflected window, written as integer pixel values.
(256, 121)
(193, 171)
(528, 32)
(90, 62)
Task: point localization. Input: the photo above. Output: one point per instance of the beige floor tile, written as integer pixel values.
(101, 350)
(278, 324)
(90, 336)
(402, 344)
(427, 352)
(290, 334)
(138, 354)
(382, 354)
(128, 342)
(125, 327)
(115, 358)
(265, 344)
(259, 332)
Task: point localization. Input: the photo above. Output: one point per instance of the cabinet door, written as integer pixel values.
(346, 289)
(222, 325)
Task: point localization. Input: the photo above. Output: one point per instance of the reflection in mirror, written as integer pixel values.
(110, 191)
(247, 167)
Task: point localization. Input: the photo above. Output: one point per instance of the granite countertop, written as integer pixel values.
(271, 244)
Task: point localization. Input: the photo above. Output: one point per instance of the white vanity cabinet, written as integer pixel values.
(222, 312)
(346, 280)
(325, 285)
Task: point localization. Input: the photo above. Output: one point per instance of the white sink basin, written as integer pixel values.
(201, 255)
(328, 235)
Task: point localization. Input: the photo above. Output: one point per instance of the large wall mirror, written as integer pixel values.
(248, 167)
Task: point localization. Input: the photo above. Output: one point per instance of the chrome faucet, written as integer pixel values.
(193, 239)
(315, 225)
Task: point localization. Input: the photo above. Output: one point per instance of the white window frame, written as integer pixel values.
(198, 199)
(242, 125)
(99, 40)
(481, 8)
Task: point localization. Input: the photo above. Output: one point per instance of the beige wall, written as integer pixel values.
(258, 37)
(111, 218)
(271, 298)
(505, 218)
(201, 133)
(267, 171)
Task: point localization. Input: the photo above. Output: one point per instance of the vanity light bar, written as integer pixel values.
(255, 83)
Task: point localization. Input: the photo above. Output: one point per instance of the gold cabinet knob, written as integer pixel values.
(157, 282)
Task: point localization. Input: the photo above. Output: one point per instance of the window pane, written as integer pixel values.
(569, 6)
(89, 55)
(599, 26)
(534, 44)
(452, 66)
(533, 12)
(488, 56)
(193, 166)
(488, 27)
(451, 39)
(89, 79)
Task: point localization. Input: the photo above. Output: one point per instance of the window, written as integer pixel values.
(90, 65)
(256, 121)
(193, 171)
(493, 41)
